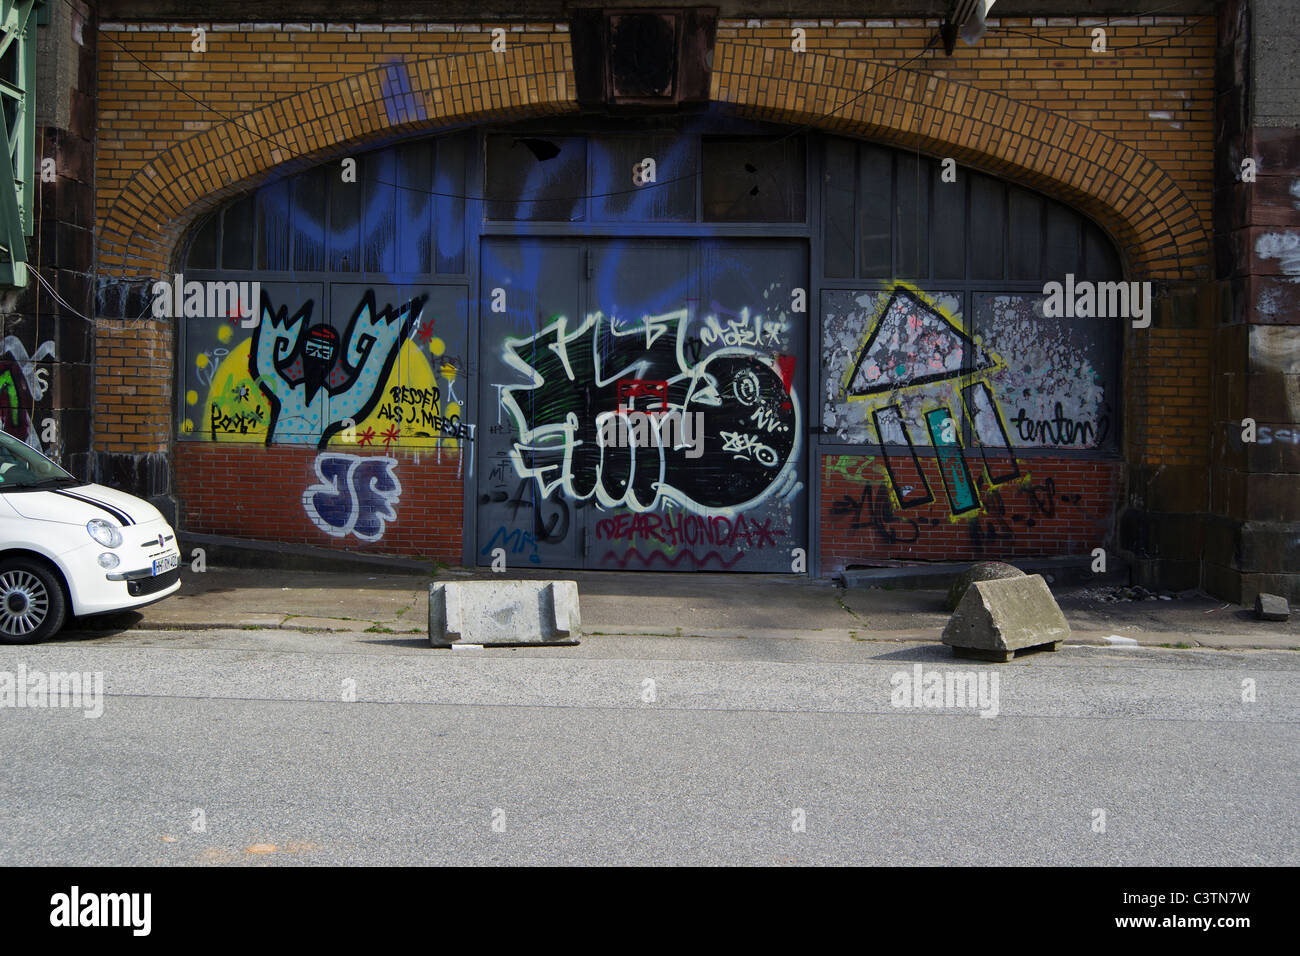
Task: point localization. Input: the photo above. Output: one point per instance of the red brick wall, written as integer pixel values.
(1062, 506)
(256, 491)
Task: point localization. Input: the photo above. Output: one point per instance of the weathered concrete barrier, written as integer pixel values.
(997, 618)
(504, 612)
(984, 571)
(1271, 607)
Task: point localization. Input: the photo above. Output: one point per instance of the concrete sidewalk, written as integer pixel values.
(676, 605)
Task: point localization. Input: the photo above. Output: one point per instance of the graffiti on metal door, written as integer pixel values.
(715, 436)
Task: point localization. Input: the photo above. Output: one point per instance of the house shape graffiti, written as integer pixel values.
(913, 343)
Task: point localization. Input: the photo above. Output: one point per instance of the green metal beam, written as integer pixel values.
(18, 132)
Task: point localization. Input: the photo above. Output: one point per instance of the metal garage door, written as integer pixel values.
(643, 404)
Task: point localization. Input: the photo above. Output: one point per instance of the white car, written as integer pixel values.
(67, 547)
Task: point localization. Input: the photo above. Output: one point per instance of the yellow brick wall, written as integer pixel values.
(133, 386)
(1155, 66)
(150, 81)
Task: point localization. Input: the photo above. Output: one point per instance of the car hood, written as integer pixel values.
(77, 504)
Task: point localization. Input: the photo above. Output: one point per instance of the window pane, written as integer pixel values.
(378, 211)
(274, 226)
(1100, 260)
(414, 207)
(887, 347)
(837, 207)
(753, 179)
(1026, 233)
(987, 227)
(308, 196)
(875, 196)
(949, 225)
(912, 216)
(615, 195)
(237, 235)
(203, 247)
(536, 178)
(1061, 244)
(448, 205)
(345, 225)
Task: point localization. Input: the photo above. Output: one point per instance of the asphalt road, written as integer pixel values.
(564, 750)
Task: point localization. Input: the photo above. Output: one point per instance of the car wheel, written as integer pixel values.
(32, 606)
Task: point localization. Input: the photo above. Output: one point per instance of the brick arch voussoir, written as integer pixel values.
(385, 104)
(1150, 219)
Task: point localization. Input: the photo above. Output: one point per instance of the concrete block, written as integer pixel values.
(504, 612)
(1271, 607)
(984, 571)
(997, 618)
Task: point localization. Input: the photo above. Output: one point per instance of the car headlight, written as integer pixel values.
(108, 561)
(104, 532)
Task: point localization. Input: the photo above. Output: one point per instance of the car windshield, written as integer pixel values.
(22, 466)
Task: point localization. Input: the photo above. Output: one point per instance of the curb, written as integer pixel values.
(222, 550)
(1061, 570)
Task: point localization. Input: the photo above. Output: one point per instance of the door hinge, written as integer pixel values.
(587, 262)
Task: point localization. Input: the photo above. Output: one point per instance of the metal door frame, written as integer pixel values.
(479, 229)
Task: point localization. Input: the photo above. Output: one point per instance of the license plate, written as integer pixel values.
(165, 563)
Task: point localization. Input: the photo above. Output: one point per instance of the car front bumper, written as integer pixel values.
(132, 584)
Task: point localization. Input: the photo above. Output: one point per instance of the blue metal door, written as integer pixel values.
(643, 404)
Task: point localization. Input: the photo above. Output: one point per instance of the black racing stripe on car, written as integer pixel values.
(125, 518)
(122, 517)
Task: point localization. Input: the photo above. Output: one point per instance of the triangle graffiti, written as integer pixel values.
(912, 343)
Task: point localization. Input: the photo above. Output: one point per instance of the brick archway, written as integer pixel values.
(1151, 220)
(183, 182)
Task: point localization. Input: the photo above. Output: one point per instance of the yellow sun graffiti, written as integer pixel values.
(410, 411)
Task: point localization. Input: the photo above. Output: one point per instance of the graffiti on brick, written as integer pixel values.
(22, 384)
(354, 495)
(872, 504)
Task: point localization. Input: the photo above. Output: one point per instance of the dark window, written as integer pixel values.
(950, 225)
(404, 215)
(875, 191)
(753, 179)
(237, 235)
(1100, 260)
(837, 216)
(987, 227)
(274, 226)
(414, 205)
(912, 216)
(377, 173)
(1025, 233)
(912, 224)
(618, 189)
(309, 190)
(1061, 252)
(540, 178)
(345, 224)
(204, 250)
(449, 204)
